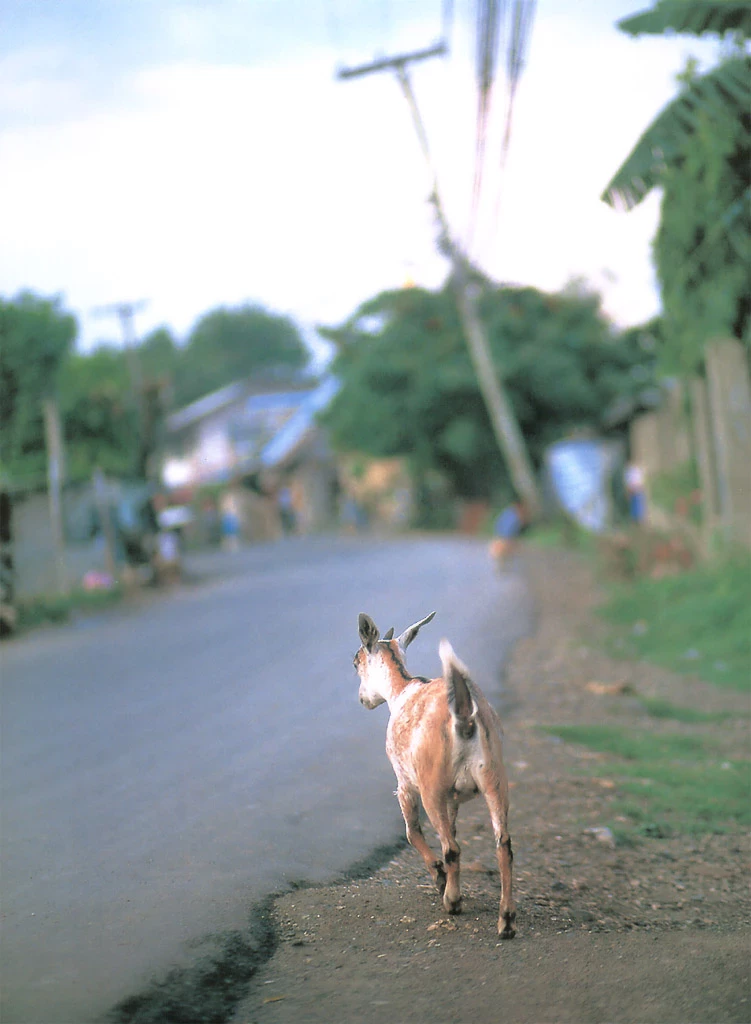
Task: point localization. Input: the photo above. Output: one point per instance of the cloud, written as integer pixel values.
(194, 182)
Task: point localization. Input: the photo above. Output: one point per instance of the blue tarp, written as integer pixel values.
(581, 474)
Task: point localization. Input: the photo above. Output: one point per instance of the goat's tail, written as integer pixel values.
(461, 702)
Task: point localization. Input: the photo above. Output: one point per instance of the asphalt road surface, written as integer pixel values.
(166, 765)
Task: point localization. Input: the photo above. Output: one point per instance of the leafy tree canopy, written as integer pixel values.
(98, 414)
(689, 16)
(36, 336)
(409, 389)
(95, 392)
(228, 344)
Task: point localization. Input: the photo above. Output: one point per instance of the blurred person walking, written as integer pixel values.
(634, 481)
(230, 521)
(508, 527)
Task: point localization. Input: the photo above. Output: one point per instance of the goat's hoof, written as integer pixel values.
(439, 878)
(452, 906)
(507, 931)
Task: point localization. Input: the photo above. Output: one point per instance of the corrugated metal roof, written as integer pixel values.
(295, 429)
(203, 407)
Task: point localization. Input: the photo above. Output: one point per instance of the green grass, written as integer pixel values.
(697, 622)
(634, 746)
(51, 608)
(659, 708)
(669, 782)
(561, 533)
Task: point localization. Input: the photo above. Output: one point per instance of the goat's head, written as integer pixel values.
(374, 660)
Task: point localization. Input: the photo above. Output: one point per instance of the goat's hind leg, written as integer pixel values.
(497, 803)
(443, 819)
(410, 806)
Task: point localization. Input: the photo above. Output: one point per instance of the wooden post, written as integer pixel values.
(100, 497)
(730, 417)
(55, 472)
(704, 462)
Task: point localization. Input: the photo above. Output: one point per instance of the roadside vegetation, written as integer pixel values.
(674, 767)
(51, 608)
(697, 621)
(668, 781)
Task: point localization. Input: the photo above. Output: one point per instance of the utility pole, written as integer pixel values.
(506, 429)
(53, 437)
(125, 312)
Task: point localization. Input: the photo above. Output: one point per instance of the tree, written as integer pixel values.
(698, 150)
(159, 355)
(36, 337)
(99, 416)
(229, 344)
(408, 386)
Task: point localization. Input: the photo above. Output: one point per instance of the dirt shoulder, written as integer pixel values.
(653, 932)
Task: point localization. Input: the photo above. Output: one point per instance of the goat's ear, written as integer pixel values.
(368, 631)
(389, 634)
(409, 634)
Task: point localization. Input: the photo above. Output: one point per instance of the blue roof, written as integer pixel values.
(276, 400)
(205, 405)
(297, 426)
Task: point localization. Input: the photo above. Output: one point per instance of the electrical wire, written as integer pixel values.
(490, 16)
(447, 22)
(522, 17)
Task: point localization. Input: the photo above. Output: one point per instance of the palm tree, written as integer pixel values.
(698, 150)
(728, 85)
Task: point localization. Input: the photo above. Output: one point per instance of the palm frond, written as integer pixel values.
(665, 140)
(694, 17)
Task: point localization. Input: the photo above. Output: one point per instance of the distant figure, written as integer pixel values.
(210, 524)
(353, 515)
(508, 527)
(230, 522)
(169, 556)
(287, 511)
(635, 483)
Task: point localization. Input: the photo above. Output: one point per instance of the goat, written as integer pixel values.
(443, 741)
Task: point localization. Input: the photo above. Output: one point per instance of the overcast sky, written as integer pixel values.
(202, 153)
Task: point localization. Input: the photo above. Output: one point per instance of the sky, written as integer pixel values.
(196, 154)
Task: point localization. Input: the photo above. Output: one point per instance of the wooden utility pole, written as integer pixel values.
(125, 312)
(101, 498)
(505, 427)
(53, 437)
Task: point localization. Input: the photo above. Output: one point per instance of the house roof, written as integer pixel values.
(297, 427)
(204, 406)
(261, 396)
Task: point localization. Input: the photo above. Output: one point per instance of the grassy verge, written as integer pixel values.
(668, 782)
(659, 708)
(41, 610)
(697, 622)
(678, 769)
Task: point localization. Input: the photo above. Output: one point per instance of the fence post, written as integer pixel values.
(704, 462)
(730, 423)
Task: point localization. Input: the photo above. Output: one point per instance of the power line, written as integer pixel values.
(447, 21)
(522, 18)
(490, 15)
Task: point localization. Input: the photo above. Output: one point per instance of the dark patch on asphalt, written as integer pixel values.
(208, 990)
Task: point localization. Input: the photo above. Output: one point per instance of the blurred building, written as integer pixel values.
(263, 441)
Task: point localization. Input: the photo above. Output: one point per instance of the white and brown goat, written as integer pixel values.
(443, 741)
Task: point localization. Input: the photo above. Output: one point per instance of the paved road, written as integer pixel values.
(167, 765)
